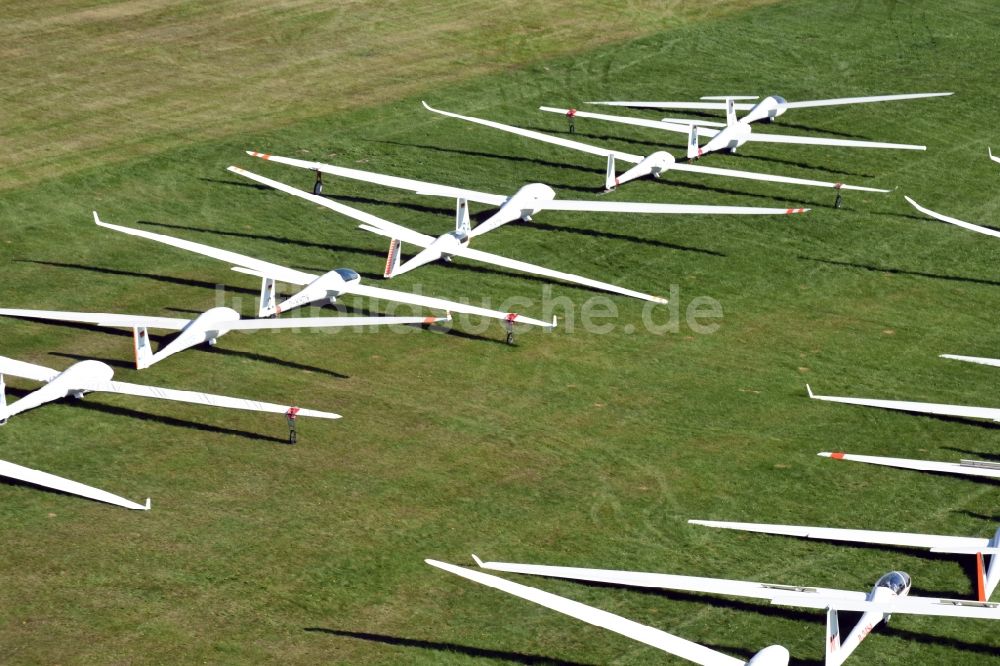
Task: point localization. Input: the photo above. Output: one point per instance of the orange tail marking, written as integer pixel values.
(980, 578)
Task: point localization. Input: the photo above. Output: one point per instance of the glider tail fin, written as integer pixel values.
(462, 225)
(267, 298)
(694, 152)
(832, 637)
(143, 348)
(610, 181)
(4, 412)
(730, 112)
(392, 259)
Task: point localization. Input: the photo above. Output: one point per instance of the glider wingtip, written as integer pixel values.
(149, 504)
(809, 391)
(825, 454)
(96, 218)
(479, 562)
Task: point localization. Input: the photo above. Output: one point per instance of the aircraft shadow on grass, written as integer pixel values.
(534, 224)
(506, 158)
(274, 239)
(670, 181)
(484, 653)
(993, 519)
(900, 271)
(152, 276)
(146, 416)
(981, 455)
(947, 641)
(803, 165)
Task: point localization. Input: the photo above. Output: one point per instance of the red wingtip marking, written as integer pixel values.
(980, 580)
(430, 320)
(837, 456)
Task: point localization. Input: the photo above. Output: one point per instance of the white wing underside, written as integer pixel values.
(255, 266)
(990, 413)
(750, 175)
(904, 605)
(408, 184)
(440, 304)
(15, 368)
(743, 106)
(198, 398)
(661, 640)
(995, 362)
(100, 319)
(46, 480)
(684, 128)
(860, 536)
(986, 231)
(802, 597)
(324, 322)
(662, 208)
(965, 468)
(736, 588)
(547, 138)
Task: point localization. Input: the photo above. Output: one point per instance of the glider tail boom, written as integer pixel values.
(392, 259)
(610, 181)
(4, 413)
(693, 152)
(143, 348)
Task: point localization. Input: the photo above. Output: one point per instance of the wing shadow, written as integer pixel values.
(900, 271)
(468, 650)
(506, 158)
(175, 422)
(953, 643)
(802, 165)
(151, 276)
(534, 224)
(274, 239)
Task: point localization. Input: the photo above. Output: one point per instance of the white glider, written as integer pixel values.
(46, 480)
(889, 595)
(206, 327)
(446, 246)
(980, 468)
(774, 655)
(527, 201)
(987, 577)
(326, 287)
(951, 220)
(768, 108)
(94, 376)
(989, 413)
(734, 134)
(654, 164)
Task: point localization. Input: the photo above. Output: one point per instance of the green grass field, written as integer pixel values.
(575, 447)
